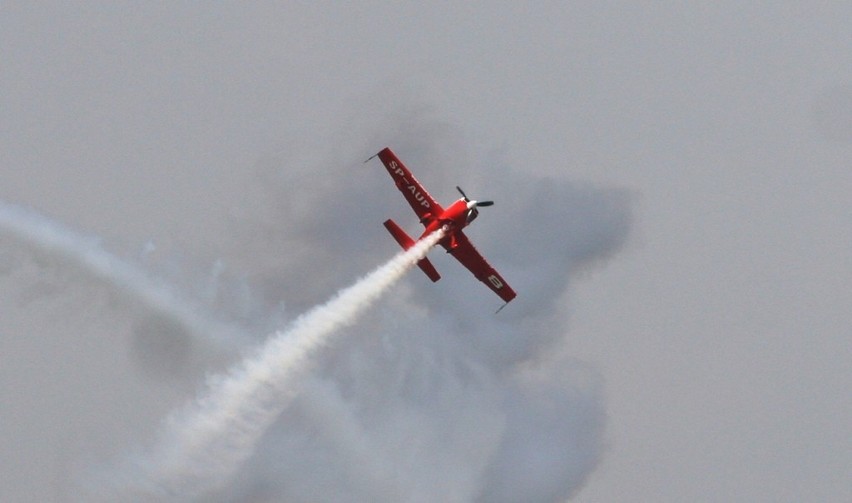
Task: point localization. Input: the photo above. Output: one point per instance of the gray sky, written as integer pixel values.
(672, 206)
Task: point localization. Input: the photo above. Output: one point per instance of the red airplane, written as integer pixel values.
(457, 216)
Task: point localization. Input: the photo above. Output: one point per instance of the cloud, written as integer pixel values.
(203, 445)
(432, 396)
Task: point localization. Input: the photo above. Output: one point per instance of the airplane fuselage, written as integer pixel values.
(456, 217)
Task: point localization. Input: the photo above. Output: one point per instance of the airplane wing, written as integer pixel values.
(421, 202)
(465, 253)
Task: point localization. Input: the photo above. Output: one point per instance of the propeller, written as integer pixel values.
(475, 203)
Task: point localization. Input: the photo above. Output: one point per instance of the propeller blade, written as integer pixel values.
(477, 203)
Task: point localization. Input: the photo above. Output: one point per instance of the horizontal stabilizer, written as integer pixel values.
(406, 242)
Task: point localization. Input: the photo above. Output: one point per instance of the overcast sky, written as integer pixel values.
(672, 205)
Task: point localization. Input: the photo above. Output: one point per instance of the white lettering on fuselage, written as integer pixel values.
(495, 281)
(396, 169)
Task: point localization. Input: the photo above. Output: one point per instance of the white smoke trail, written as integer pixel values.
(202, 448)
(86, 252)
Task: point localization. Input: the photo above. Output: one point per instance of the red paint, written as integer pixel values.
(455, 217)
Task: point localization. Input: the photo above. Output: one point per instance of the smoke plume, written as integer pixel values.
(203, 446)
(86, 252)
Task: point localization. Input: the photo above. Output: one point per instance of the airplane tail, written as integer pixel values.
(406, 242)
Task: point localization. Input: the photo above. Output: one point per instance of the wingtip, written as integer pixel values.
(376, 155)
